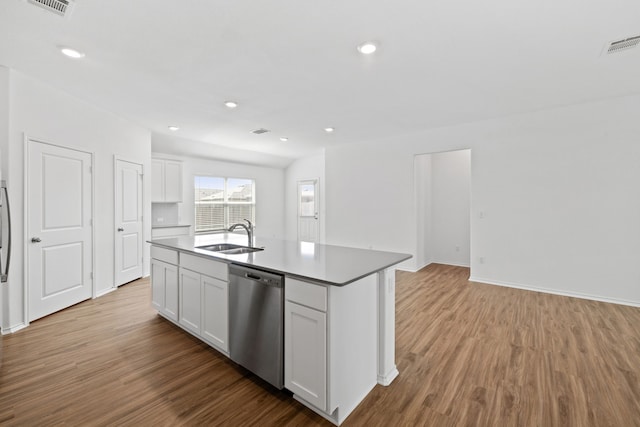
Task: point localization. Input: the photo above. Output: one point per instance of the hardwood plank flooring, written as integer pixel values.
(468, 354)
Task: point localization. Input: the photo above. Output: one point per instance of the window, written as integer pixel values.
(221, 202)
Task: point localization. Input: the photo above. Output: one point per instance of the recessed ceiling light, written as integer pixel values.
(284, 139)
(230, 104)
(173, 128)
(71, 53)
(367, 48)
(329, 129)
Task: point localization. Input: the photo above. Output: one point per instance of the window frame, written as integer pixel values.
(226, 204)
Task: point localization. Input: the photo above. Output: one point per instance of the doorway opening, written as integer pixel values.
(443, 208)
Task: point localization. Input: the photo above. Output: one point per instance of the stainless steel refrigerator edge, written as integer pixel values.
(256, 318)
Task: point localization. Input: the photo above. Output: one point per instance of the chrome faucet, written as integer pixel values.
(248, 228)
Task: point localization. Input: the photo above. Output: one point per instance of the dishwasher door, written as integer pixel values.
(256, 317)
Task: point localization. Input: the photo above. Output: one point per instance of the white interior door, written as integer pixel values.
(308, 212)
(59, 239)
(128, 221)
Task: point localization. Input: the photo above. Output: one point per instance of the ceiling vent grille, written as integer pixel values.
(59, 7)
(624, 44)
(260, 131)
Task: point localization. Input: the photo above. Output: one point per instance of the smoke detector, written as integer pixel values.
(59, 7)
(620, 45)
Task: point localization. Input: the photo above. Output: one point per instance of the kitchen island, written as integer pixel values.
(339, 310)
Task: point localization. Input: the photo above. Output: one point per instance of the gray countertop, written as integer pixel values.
(334, 265)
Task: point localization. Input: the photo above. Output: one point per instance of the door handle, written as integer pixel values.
(4, 273)
(35, 240)
(120, 229)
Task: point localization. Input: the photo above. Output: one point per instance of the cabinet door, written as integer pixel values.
(171, 292)
(157, 180)
(215, 312)
(164, 288)
(157, 284)
(305, 350)
(172, 181)
(190, 300)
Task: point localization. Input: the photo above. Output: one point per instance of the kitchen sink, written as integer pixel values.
(241, 250)
(229, 248)
(220, 247)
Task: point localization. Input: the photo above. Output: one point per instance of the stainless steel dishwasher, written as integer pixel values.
(256, 317)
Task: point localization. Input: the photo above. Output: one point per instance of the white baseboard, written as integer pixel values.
(408, 270)
(556, 292)
(387, 379)
(14, 328)
(415, 270)
(106, 291)
(451, 263)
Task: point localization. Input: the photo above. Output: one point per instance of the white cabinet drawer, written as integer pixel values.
(306, 293)
(208, 267)
(163, 254)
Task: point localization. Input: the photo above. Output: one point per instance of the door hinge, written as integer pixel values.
(90, 169)
(91, 275)
(90, 222)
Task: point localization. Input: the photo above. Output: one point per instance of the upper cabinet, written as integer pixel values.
(166, 181)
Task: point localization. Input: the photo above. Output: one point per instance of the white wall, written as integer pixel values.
(269, 190)
(559, 191)
(305, 168)
(42, 112)
(424, 203)
(443, 196)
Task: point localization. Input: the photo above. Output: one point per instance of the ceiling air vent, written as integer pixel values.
(260, 131)
(623, 44)
(59, 7)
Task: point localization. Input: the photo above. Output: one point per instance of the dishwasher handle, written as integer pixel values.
(263, 277)
(253, 276)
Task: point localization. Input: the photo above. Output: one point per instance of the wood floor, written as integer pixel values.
(468, 354)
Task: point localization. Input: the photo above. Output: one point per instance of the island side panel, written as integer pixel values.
(387, 370)
(353, 345)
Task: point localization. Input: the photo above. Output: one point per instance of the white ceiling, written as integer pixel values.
(293, 67)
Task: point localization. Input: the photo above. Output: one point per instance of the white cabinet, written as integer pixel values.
(166, 181)
(190, 300)
(157, 180)
(330, 340)
(164, 282)
(215, 312)
(204, 307)
(204, 299)
(306, 353)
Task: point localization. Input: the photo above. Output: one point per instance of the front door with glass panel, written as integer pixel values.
(308, 218)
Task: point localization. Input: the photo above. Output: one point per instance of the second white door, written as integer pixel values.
(128, 221)
(60, 243)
